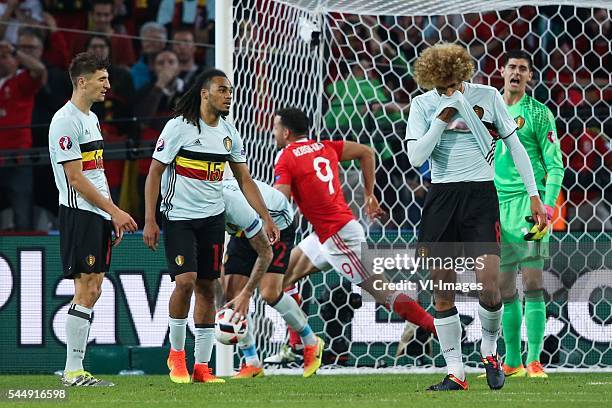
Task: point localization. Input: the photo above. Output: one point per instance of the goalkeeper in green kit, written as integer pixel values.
(524, 247)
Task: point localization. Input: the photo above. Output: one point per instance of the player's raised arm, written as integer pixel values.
(365, 155)
(421, 139)
(253, 196)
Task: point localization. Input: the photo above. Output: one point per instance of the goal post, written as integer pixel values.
(348, 64)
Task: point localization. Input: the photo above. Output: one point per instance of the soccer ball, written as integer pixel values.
(229, 332)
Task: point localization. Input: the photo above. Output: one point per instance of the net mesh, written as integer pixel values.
(354, 81)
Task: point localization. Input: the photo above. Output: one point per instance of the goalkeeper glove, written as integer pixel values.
(534, 233)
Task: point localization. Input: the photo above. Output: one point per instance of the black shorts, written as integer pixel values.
(240, 256)
(85, 242)
(195, 246)
(460, 219)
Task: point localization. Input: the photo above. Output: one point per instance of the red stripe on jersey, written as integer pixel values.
(197, 174)
(93, 164)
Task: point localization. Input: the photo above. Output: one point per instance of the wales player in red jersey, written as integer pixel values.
(308, 170)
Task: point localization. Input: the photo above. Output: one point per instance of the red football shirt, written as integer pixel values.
(17, 95)
(311, 169)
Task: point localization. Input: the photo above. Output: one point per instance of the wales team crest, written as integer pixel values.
(227, 143)
(520, 121)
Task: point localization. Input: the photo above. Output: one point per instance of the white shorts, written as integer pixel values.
(341, 251)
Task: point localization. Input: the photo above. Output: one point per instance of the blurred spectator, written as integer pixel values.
(18, 89)
(157, 98)
(52, 95)
(176, 13)
(117, 106)
(185, 50)
(589, 157)
(154, 37)
(205, 32)
(17, 12)
(101, 16)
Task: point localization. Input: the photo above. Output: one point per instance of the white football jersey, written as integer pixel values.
(191, 186)
(240, 216)
(74, 135)
(458, 156)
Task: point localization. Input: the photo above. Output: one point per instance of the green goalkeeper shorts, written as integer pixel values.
(515, 251)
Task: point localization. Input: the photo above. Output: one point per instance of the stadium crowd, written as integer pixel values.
(158, 47)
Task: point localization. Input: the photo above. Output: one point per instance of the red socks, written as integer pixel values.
(411, 311)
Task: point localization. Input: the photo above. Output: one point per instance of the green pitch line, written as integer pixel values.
(560, 390)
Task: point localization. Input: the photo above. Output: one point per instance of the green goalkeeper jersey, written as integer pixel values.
(538, 134)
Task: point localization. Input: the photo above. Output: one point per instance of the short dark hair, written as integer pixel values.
(188, 106)
(94, 3)
(31, 32)
(294, 119)
(518, 54)
(100, 37)
(85, 63)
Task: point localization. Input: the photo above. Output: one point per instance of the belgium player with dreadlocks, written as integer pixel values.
(189, 160)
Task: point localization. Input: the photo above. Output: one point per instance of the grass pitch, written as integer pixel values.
(362, 391)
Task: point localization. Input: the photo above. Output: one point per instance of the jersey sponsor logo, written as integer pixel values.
(551, 136)
(242, 151)
(227, 143)
(179, 260)
(160, 145)
(90, 260)
(277, 177)
(520, 121)
(65, 143)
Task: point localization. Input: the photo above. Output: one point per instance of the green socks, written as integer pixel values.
(511, 326)
(535, 320)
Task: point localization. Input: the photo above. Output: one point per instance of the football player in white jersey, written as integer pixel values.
(87, 214)
(248, 261)
(189, 160)
(457, 123)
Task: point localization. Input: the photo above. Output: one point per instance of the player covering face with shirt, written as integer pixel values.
(457, 124)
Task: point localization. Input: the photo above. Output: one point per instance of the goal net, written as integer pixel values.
(348, 64)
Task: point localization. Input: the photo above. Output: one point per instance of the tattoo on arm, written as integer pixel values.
(261, 245)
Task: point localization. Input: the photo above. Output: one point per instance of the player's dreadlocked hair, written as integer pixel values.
(188, 106)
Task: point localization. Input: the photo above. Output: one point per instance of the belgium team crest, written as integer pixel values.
(227, 143)
(520, 121)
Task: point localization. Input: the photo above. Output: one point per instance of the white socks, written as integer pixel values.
(490, 320)
(247, 346)
(77, 331)
(204, 341)
(295, 318)
(178, 331)
(448, 327)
